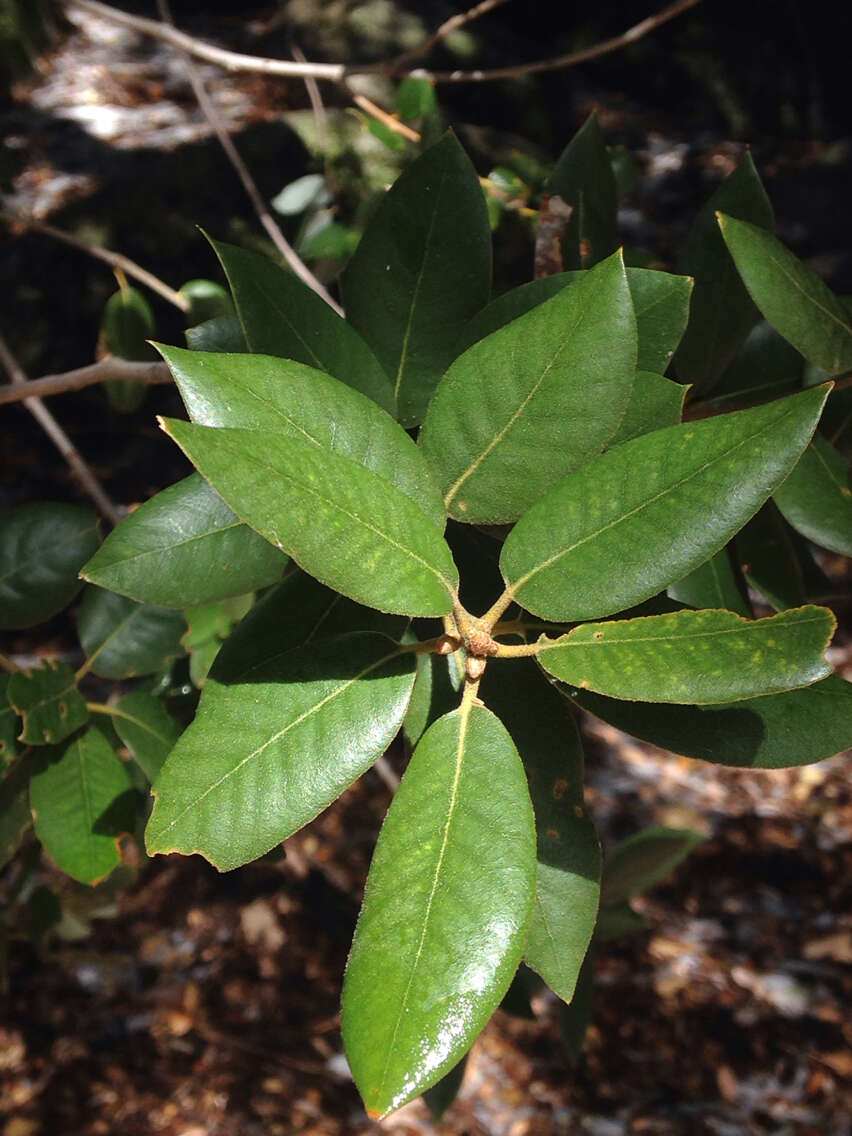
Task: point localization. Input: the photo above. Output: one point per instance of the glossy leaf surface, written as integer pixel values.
(76, 800)
(282, 316)
(43, 545)
(421, 270)
(654, 403)
(183, 547)
(791, 296)
(646, 513)
(268, 752)
(817, 497)
(584, 179)
(47, 699)
(147, 729)
(534, 400)
(715, 583)
(341, 522)
(694, 656)
(124, 639)
(643, 860)
(445, 913)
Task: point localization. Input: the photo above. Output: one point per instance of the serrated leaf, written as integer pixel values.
(261, 393)
(643, 860)
(183, 547)
(568, 867)
(76, 801)
(722, 314)
(47, 699)
(816, 498)
(341, 522)
(281, 316)
(43, 545)
(694, 656)
(642, 515)
(445, 913)
(778, 732)
(9, 726)
(421, 270)
(266, 754)
(584, 179)
(533, 401)
(791, 296)
(715, 583)
(654, 403)
(124, 639)
(147, 729)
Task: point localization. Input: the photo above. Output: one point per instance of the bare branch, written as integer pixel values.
(383, 116)
(105, 371)
(115, 259)
(460, 20)
(60, 439)
(317, 105)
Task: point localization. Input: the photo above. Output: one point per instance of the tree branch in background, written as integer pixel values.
(383, 116)
(105, 371)
(60, 439)
(453, 24)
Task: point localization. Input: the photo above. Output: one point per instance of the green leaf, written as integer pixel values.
(646, 513)
(184, 547)
(282, 316)
(534, 400)
(446, 910)
(569, 856)
(715, 583)
(123, 639)
(147, 729)
(47, 699)
(618, 921)
(262, 393)
(421, 270)
(15, 816)
(43, 545)
(790, 296)
(694, 656)
(783, 730)
(442, 1094)
(76, 800)
(415, 97)
(770, 559)
(643, 860)
(299, 195)
(341, 522)
(575, 1018)
(224, 333)
(9, 725)
(583, 178)
(817, 497)
(655, 403)
(127, 326)
(435, 693)
(268, 753)
(207, 301)
(722, 314)
(766, 366)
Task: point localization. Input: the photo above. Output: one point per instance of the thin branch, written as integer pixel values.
(266, 219)
(317, 105)
(115, 259)
(105, 371)
(460, 20)
(60, 439)
(383, 116)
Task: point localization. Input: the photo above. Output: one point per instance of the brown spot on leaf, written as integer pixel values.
(553, 834)
(559, 789)
(63, 710)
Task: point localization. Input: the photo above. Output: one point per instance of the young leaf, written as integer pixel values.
(791, 297)
(184, 547)
(48, 701)
(421, 270)
(76, 799)
(43, 545)
(643, 860)
(534, 400)
(341, 522)
(262, 393)
(282, 316)
(568, 870)
(583, 178)
(694, 656)
(817, 497)
(445, 913)
(799, 727)
(722, 314)
(147, 729)
(715, 583)
(123, 639)
(622, 528)
(267, 753)
(655, 403)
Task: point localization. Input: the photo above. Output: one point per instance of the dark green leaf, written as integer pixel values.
(341, 522)
(694, 656)
(268, 753)
(282, 316)
(646, 513)
(435, 693)
(584, 179)
(43, 545)
(617, 921)
(147, 729)
(655, 403)
(715, 583)
(415, 97)
(534, 400)
(766, 366)
(421, 270)
(15, 816)
(47, 699)
(127, 326)
(645, 859)
(207, 301)
(9, 725)
(75, 800)
(817, 497)
(575, 1018)
(183, 547)
(123, 639)
(769, 559)
(446, 910)
(224, 333)
(439, 1098)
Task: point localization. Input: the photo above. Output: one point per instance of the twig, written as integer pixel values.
(317, 105)
(116, 259)
(460, 20)
(380, 115)
(266, 219)
(60, 439)
(102, 372)
(337, 72)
